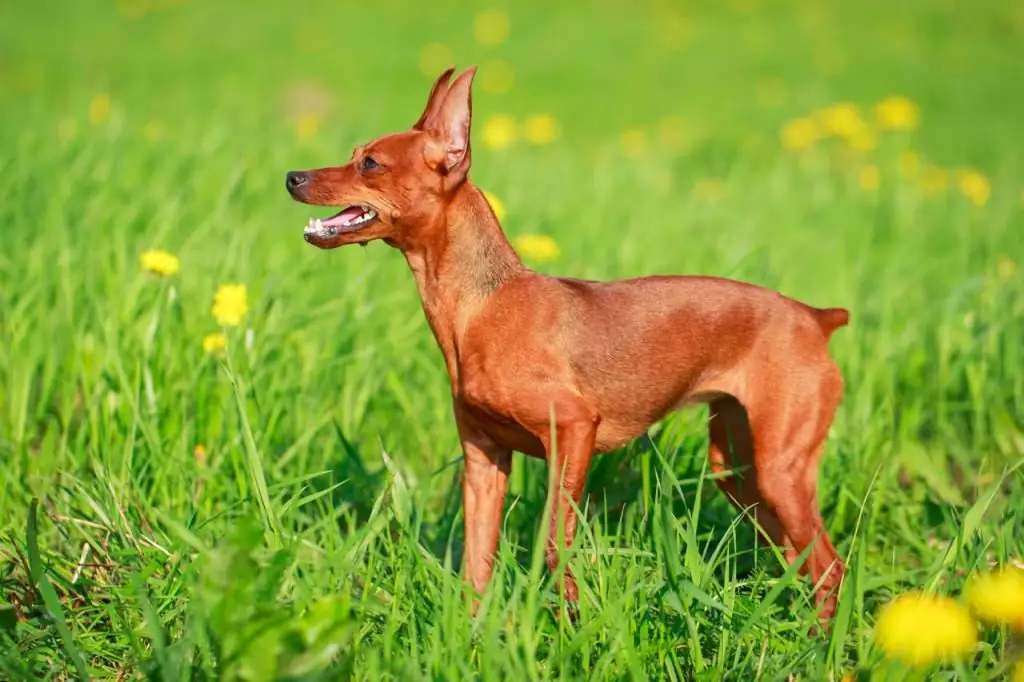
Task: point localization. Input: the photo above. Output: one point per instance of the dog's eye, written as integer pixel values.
(369, 164)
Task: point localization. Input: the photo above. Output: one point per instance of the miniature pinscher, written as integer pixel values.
(562, 368)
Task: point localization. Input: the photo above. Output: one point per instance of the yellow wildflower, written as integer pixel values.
(1018, 673)
(496, 205)
(934, 181)
(199, 452)
(998, 598)
(921, 629)
(230, 304)
(212, 343)
(634, 143)
(537, 247)
(435, 58)
(842, 119)
(869, 178)
(491, 27)
(897, 113)
(910, 164)
(306, 126)
(99, 109)
(496, 77)
(153, 131)
(771, 93)
(800, 133)
(862, 141)
(160, 262)
(974, 186)
(540, 129)
(709, 190)
(500, 131)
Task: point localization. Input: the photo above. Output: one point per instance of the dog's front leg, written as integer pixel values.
(568, 462)
(483, 496)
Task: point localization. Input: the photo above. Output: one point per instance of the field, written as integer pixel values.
(289, 507)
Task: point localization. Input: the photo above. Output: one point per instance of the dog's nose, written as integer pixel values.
(295, 180)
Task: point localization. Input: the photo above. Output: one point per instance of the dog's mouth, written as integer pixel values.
(351, 219)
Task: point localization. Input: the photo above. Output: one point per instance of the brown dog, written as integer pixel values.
(561, 368)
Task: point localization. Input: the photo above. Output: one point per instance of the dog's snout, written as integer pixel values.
(294, 180)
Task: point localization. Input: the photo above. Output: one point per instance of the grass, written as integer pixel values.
(292, 510)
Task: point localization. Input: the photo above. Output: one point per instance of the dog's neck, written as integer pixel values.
(461, 260)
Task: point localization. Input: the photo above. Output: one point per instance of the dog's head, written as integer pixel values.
(398, 183)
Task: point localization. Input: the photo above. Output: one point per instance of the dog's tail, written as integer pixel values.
(831, 319)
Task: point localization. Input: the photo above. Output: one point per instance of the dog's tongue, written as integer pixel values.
(346, 217)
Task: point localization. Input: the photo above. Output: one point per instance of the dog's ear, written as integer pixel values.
(435, 99)
(450, 129)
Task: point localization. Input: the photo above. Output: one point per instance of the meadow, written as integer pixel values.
(266, 486)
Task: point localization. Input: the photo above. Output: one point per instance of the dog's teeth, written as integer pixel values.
(319, 225)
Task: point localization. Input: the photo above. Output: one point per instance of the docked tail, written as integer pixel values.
(831, 319)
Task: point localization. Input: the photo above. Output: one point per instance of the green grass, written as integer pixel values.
(317, 532)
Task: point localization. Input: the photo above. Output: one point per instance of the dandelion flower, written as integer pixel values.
(974, 186)
(1018, 673)
(160, 262)
(537, 247)
(869, 178)
(800, 133)
(496, 205)
(213, 343)
(99, 109)
(499, 132)
(897, 113)
(435, 58)
(633, 142)
(230, 304)
(497, 77)
(491, 27)
(842, 119)
(998, 597)
(540, 129)
(921, 629)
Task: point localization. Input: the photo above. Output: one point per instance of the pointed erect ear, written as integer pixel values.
(451, 129)
(435, 99)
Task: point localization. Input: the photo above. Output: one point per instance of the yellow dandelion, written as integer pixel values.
(496, 205)
(212, 343)
(921, 629)
(910, 164)
(770, 93)
(710, 190)
(862, 141)
(67, 129)
(199, 452)
(897, 113)
(998, 597)
(435, 58)
(491, 27)
(800, 133)
(160, 262)
(230, 304)
(1018, 673)
(934, 181)
(540, 129)
(306, 126)
(633, 143)
(153, 131)
(499, 132)
(869, 178)
(99, 109)
(672, 132)
(842, 119)
(496, 77)
(537, 247)
(974, 186)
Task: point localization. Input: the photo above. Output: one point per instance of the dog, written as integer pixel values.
(562, 368)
